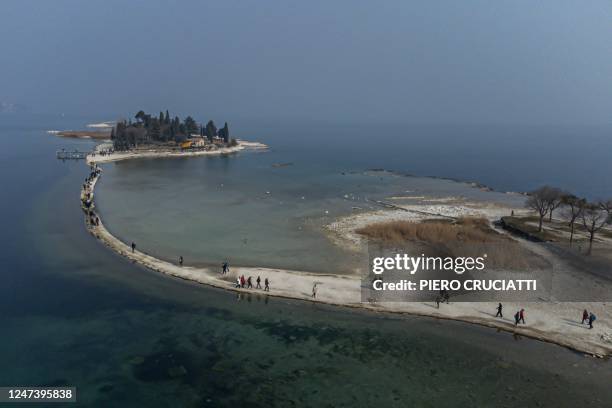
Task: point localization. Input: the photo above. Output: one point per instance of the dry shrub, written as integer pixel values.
(465, 230)
(463, 237)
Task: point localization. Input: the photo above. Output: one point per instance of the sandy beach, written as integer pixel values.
(555, 322)
(157, 153)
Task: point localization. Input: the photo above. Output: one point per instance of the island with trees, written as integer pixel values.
(164, 130)
(163, 135)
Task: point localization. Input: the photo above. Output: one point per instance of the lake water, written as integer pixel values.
(74, 313)
(245, 209)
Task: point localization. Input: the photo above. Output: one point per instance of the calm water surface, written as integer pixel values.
(74, 313)
(244, 209)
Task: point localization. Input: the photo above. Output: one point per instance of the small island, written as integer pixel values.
(164, 131)
(163, 136)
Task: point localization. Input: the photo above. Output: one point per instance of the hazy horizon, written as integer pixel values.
(345, 61)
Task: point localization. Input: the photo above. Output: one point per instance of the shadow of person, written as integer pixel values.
(575, 323)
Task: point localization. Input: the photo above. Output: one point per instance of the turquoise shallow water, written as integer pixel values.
(245, 209)
(74, 313)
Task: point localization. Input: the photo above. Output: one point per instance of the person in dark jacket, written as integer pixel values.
(591, 320)
(517, 317)
(499, 311)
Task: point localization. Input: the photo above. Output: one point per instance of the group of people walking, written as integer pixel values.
(519, 316)
(588, 317)
(102, 152)
(87, 196)
(247, 283)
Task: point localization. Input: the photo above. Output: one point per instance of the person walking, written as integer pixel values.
(585, 316)
(314, 291)
(133, 246)
(237, 282)
(522, 316)
(592, 318)
(181, 260)
(242, 281)
(267, 285)
(517, 317)
(499, 311)
(250, 283)
(258, 283)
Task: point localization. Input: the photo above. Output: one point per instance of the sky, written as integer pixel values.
(434, 61)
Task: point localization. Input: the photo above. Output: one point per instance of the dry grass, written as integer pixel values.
(466, 230)
(463, 237)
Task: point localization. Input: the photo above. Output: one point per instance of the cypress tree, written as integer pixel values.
(226, 136)
(211, 130)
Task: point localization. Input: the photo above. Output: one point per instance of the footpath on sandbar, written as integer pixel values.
(555, 322)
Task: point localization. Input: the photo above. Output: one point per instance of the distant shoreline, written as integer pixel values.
(345, 291)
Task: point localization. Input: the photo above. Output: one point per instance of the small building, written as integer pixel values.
(199, 141)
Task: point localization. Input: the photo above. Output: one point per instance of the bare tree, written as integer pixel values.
(573, 207)
(594, 217)
(607, 206)
(540, 201)
(555, 199)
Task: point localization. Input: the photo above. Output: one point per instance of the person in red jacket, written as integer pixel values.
(585, 316)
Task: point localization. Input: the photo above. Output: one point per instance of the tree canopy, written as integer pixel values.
(151, 129)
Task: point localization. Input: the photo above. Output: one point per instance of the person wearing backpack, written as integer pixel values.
(592, 318)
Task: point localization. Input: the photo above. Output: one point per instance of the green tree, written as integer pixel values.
(140, 116)
(190, 125)
(211, 130)
(155, 131)
(224, 133)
